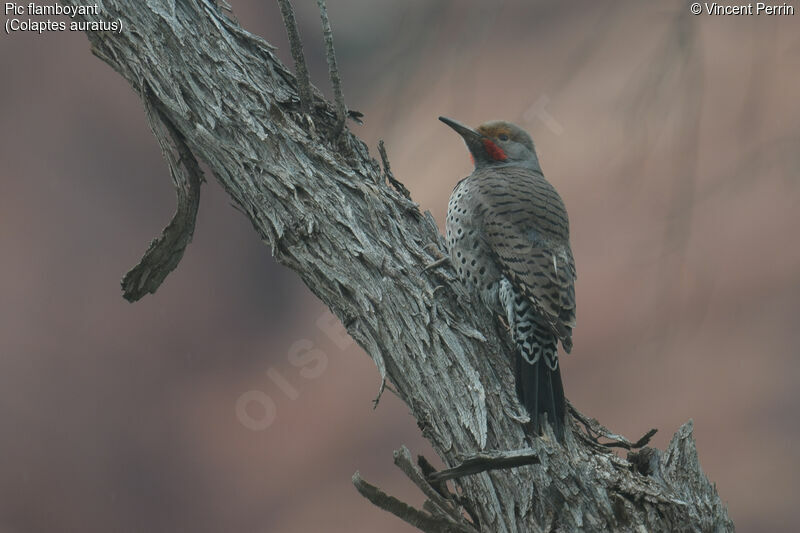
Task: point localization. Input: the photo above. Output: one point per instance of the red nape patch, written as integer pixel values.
(494, 151)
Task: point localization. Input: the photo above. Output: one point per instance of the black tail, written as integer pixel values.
(540, 390)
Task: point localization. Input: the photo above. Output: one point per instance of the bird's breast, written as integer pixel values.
(472, 257)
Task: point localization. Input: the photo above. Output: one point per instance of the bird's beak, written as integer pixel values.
(472, 138)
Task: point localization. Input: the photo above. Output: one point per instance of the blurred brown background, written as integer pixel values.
(673, 139)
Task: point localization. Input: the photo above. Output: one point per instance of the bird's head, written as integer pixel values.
(497, 143)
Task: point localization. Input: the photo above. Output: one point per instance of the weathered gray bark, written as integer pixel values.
(216, 93)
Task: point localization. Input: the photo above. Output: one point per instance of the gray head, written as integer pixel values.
(497, 143)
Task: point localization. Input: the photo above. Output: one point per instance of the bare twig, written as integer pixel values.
(444, 506)
(441, 487)
(427, 469)
(333, 70)
(355, 116)
(415, 517)
(443, 513)
(296, 45)
(481, 462)
(387, 170)
(377, 399)
(633, 445)
(595, 430)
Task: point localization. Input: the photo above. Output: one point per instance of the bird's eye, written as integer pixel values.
(503, 137)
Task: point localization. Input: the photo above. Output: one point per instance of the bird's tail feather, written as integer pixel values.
(541, 392)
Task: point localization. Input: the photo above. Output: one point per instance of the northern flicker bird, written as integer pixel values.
(508, 235)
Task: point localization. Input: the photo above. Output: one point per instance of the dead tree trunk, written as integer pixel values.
(216, 93)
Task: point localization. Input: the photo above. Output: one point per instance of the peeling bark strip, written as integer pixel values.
(166, 251)
(362, 248)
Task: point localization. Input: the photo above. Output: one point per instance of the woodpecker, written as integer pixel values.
(508, 238)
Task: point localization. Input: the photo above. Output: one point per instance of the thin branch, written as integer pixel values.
(634, 445)
(355, 116)
(444, 507)
(441, 487)
(387, 170)
(333, 70)
(402, 510)
(427, 469)
(481, 462)
(595, 430)
(377, 399)
(296, 45)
